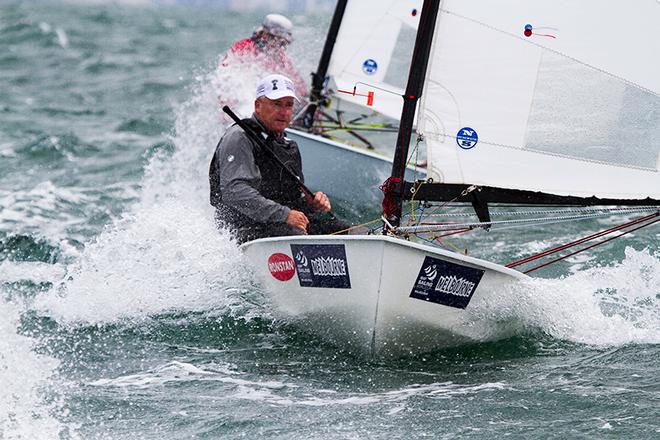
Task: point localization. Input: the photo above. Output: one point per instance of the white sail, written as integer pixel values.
(571, 108)
(372, 52)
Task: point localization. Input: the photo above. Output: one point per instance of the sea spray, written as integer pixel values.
(29, 405)
(611, 305)
(166, 252)
(157, 260)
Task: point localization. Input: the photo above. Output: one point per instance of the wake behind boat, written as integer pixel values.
(497, 93)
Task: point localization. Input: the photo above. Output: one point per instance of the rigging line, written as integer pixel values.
(355, 227)
(494, 213)
(380, 88)
(508, 222)
(582, 240)
(454, 232)
(459, 231)
(351, 128)
(446, 245)
(360, 125)
(412, 200)
(420, 138)
(548, 221)
(463, 193)
(590, 247)
(598, 69)
(543, 223)
(499, 225)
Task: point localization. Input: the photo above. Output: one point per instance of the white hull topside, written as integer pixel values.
(377, 295)
(344, 172)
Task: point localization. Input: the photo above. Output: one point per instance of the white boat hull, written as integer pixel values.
(378, 295)
(344, 172)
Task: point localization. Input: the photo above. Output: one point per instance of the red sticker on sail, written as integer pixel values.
(281, 267)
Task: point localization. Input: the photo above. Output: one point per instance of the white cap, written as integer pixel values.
(277, 25)
(275, 87)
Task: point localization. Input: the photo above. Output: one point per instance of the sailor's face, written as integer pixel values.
(274, 42)
(275, 114)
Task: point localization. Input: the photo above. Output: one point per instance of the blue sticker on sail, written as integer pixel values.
(321, 265)
(442, 282)
(467, 138)
(369, 66)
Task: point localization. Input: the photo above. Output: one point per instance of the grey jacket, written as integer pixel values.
(240, 179)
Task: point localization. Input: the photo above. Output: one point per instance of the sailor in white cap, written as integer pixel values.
(252, 195)
(267, 47)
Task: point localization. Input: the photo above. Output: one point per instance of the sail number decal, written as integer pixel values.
(321, 265)
(446, 283)
(467, 138)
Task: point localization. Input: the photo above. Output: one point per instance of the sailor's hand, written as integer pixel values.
(297, 219)
(320, 202)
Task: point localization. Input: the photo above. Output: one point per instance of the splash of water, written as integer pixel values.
(610, 305)
(165, 253)
(24, 411)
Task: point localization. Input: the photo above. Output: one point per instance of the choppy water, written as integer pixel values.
(124, 314)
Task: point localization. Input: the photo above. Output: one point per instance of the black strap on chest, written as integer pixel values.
(276, 183)
(257, 137)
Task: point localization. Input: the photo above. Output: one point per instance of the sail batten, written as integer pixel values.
(546, 96)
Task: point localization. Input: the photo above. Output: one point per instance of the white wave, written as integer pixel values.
(396, 397)
(615, 305)
(34, 271)
(165, 254)
(28, 408)
(62, 37)
(289, 394)
(169, 258)
(46, 208)
(176, 371)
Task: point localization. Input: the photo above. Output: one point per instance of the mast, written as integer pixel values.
(414, 90)
(318, 77)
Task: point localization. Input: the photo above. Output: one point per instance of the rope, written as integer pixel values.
(542, 211)
(539, 221)
(355, 227)
(586, 239)
(420, 138)
(463, 193)
(443, 243)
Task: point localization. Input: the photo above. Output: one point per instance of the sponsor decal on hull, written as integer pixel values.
(321, 265)
(446, 283)
(281, 267)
